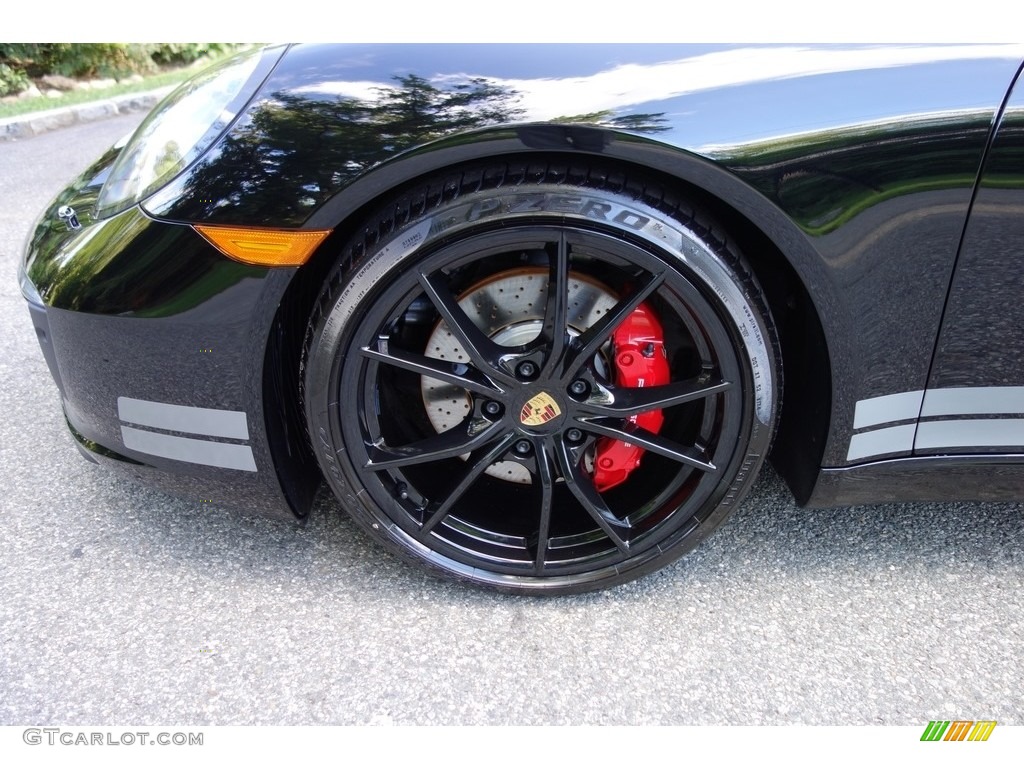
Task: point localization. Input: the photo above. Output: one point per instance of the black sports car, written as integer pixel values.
(537, 314)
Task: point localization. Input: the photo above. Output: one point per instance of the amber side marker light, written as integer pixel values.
(264, 247)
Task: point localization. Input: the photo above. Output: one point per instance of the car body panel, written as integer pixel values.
(858, 163)
(981, 344)
(191, 338)
(847, 155)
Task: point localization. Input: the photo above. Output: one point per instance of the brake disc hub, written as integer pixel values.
(509, 308)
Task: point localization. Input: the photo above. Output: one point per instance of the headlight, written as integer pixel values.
(181, 128)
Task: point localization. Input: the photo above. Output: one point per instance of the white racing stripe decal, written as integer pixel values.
(225, 455)
(183, 418)
(963, 433)
(879, 441)
(932, 433)
(202, 423)
(971, 400)
(882, 410)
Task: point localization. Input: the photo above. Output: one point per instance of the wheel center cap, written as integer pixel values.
(539, 410)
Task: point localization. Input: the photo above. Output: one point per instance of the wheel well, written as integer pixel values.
(807, 372)
(804, 421)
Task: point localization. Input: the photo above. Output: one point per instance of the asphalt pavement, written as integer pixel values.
(122, 605)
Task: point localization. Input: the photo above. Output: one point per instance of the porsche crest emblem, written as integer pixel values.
(539, 409)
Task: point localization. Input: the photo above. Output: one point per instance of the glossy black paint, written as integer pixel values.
(134, 266)
(937, 478)
(209, 359)
(982, 342)
(868, 209)
(846, 172)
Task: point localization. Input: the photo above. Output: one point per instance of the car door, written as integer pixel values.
(974, 403)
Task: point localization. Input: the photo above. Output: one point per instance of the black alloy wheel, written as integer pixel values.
(460, 380)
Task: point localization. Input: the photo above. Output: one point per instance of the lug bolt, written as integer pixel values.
(492, 408)
(522, 447)
(579, 388)
(526, 370)
(574, 435)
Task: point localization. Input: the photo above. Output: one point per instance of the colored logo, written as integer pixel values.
(958, 730)
(539, 409)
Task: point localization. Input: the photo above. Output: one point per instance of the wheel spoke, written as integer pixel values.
(484, 353)
(582, 487)
(556, 308)
(587, 344)
(623, 402)
(452, 373)
(545, 483)
(463, 438)
(652, 442)
(478, 462)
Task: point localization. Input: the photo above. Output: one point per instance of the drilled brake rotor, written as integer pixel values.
(509, 308)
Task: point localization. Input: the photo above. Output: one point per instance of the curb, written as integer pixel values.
(36, 123)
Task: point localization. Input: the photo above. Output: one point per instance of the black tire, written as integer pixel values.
(489, 498)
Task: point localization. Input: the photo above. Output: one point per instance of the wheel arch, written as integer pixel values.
(788, 268)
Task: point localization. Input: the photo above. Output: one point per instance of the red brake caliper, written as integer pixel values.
(638, 356)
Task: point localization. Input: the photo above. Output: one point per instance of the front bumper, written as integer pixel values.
(156, 342)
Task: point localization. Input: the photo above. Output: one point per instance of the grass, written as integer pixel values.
(70, 98)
